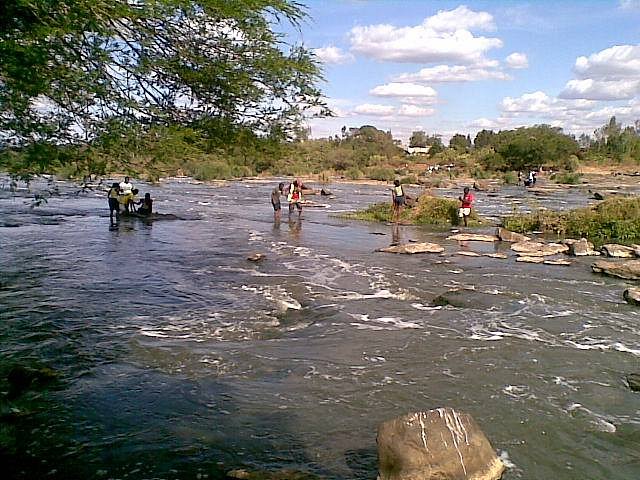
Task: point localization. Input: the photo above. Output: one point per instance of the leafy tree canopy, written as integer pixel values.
(70, 69)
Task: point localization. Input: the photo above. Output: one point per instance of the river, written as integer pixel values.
(179, 358)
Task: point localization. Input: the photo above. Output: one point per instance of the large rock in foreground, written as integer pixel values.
(581, 248)
(618, 251)
(633, 379)
(435, 445)
(632, 296)
(424, 247)
(629, 270)
(508, 236)
(538, 249)
(473, 237)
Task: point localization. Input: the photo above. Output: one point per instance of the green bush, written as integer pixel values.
(613, 220)
(510, 178)
(567, 178)
(353, 173)
(384, 174)
(412, 179)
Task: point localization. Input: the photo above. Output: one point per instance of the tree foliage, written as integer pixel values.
(72, 69)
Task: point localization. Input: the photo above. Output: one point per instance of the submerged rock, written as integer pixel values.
(629, 270)
(410, 248)
(633, 379)
(538, 249)
(618, 251)
(495, 255)
(22, 378)
(256, 257)
(527, 259)
(243, 474)
(466, 298)
(580, 248)
(465, 253)
(436, 444)
(559, 261)
(632, 295)
(508, 236)
(473, 237)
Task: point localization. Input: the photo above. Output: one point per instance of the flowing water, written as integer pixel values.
(179, 358)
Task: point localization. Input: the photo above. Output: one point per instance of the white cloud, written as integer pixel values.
(454, 73)
(415, 111)
(601, 90)
(411, 90)
(517, 60)
(630, 4)
(444, 37)
(374, 110)
(332, 55)
(459, 18)
(610, 74)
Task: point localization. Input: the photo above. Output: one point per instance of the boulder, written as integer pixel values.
(527, 259)
(424, 247)
(580, 248)
(558, 261)
(508, 236)
(636, 249)
(538, 249)
(618, 251)
(466, 298)
(629, 270)
(435, 445)
(632, 295)
(473, 237)
(256, 257)
(495, 255)
(466, 253)
(633, 379)
(598, 196)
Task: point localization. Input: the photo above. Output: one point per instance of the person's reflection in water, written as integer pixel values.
(295, 228)
(395, 235)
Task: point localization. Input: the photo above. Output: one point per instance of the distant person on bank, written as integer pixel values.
(398, 199)
(466, 200)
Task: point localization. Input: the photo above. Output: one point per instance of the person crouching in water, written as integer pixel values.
(275, 201)
(114, 203)
(397, 195)
(465, 207)
(146, 205)
(295, 197)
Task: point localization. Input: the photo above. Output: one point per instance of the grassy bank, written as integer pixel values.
(615, 220)
(429, 210)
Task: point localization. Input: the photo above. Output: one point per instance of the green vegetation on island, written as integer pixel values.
(428, 210)
(615, 220)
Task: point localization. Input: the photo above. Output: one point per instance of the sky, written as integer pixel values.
(449, 67)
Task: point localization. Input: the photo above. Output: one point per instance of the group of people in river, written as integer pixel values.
(398, 199)
(125, 195)
(294, 198)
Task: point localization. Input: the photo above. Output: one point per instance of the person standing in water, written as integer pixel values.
(295, 197)
(465, 208)
(146, 205)
(114, 203)
(275, 201)
(398, 198)
(126, 194)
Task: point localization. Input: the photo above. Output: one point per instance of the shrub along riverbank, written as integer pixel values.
(428, 210)
(613, 220)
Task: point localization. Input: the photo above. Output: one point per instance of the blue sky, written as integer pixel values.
(450, 67)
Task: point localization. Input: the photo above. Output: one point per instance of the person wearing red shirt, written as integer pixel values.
(465, 208)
